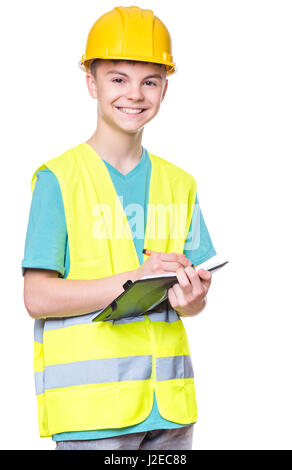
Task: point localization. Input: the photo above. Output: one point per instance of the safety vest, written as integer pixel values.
(100, 375)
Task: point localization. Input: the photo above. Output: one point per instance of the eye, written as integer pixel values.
(149, 81)
(121, 80)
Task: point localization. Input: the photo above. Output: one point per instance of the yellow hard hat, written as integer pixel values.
(129, 33)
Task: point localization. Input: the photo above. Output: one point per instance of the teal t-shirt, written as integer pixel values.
(46, 247)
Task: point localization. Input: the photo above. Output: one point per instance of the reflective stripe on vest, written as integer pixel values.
(107, 371)
(112, 370)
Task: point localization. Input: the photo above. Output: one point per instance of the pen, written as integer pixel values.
(147, 252)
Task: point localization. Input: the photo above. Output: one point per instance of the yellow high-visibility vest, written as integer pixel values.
(103, 375)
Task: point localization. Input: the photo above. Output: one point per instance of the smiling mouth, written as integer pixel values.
(131, 111)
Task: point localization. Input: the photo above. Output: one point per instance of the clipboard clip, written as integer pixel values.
(127, 284)
(114, 304)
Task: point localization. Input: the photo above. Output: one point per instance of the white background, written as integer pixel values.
(226, 119)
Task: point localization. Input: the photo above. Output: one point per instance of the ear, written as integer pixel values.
(164, 91)
(91, 85)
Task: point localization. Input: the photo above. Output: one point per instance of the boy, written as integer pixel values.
(124, 384)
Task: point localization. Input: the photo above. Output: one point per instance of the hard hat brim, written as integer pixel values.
(170, 66)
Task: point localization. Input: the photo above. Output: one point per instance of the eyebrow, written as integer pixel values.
(155, 75)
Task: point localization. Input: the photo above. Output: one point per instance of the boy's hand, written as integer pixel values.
(188, 297)
(160, 263)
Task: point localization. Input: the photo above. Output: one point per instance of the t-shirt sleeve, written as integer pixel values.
(198, 245)
(46, 236)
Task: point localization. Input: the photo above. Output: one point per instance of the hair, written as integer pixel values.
(94, 64)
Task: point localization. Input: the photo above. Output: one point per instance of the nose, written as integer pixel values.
(134, 92)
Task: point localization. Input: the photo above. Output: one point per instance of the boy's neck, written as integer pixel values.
(123, 151)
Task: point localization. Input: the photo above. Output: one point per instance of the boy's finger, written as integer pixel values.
(171, 266)
(179, 294)
(184, 281)
(178, 257)
(205, 275)
(172, 297)
(195, 279)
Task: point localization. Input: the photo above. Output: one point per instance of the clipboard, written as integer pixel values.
(142, 295)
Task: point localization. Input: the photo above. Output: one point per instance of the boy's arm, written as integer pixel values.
(47, 295)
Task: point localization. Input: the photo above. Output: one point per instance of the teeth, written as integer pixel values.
(131, 111)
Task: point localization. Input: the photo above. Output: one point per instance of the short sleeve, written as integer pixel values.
(46, 236)
(198, 245)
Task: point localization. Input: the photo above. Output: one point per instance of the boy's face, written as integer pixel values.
(121, 85)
